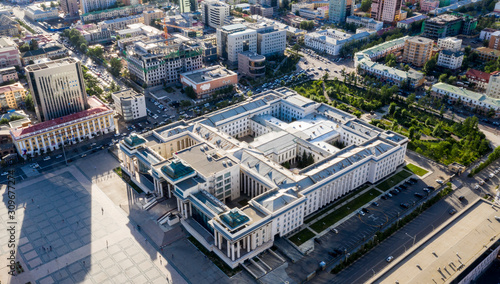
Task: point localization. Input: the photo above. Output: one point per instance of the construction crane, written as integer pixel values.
(167, 35)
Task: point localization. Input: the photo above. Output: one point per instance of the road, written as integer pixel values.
(397, 244)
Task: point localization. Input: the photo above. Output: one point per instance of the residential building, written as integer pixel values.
(202, 166)
(124, 42)
(418, 50)
(337, 10)
(69, 129)
(487, 54)
(493, 89)
(450, 43)
(151, 15)
(11, 96)
(494, 42)
(36, 13)
(368, 23)
(9, 27)
(448, 25)
(57, 87)
(486, 33)
(188, 6)
(387, 11)
(467, 98)
(209, 80)
(270, 39)
(264, 11)
(366, 61)
(154, 63)
(428, 5)
(7, 148)
(450, 59)
(407, 23)
(209, 52)
(234, 39)
(70, 7)
(331, 41)
(112, 13)
(479, 78)
(94, 34)
(56, 51)
(251, 64)
(9, 54)
(8, 74)
(214, 13)
(130, 104)
(131, 2)
(134, 30)
(41, 39)
(88, 6)
(121, 23)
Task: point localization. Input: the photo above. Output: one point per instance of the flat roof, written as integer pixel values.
(51, 64)
(466, 93)
(438, 259)
(208, 74)
(205, 159)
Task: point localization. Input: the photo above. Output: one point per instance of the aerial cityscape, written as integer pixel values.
(250, 141)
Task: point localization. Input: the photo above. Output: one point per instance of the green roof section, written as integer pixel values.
(109, 10)
(384, 46)
(467, 94)
(177, 170)
(234, 218)
(134, 140)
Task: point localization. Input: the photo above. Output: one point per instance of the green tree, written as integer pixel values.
(430, 65)
(190, 92)
(366, 5)
(28, 101)
(33, 44)
(325, 76)
(83, 47)
(43, 6)
(406, 68)
(411, 98)
(392, 108)
(442, 77)
(52, 4)
(116, 66)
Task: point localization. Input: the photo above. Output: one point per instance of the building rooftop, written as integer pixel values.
(253, 55)
(443, 19)
(478, 74)
(43, 50)
(452, 53)
(420, 40)
(466, 93)
(205, 159)
(127, 94)
(207, 74)
(234, 219)
(134, 140)
(12, 88)
(443, 257)
(51, 64)
(490, 51)
(177, 170)
(413, 19)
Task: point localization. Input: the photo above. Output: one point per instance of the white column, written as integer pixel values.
(215, 237)
(93, 124)
(88, 127)
(219, 236)
(190, 210)
(238, 249)
(228, 254)
(232, 251)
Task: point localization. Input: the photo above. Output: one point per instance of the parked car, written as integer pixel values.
(365, 210)
(361, 213)
(389, 259)
(452, 211)
(375, 204)
(461, 198)
(419, 195)
(405, 205)
(46, 158)
(439, 181)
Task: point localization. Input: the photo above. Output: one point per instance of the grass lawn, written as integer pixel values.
(392, 181)
(322, 211)
(214, 258)
(302, 236)
(345, 210)
(416, 170)
(169, 90)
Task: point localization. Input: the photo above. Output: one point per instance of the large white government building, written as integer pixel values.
(212, 163)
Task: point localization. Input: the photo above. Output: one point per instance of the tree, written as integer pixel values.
(430, 65)
(307, 25)
(52, 4)
(83, 47)
(43, 6)
(452, 80)
(442, 77)
(411, 98)
(25, 47)
(33, 44)
(392, 108)
(28, 101)
(406, 68)
(116, 66)
(325, 76)
(190, 92)
(366, 5)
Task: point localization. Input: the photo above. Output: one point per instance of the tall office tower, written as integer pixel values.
(214, 13)
(57, 87)
(95, 5)
(234, 39)
(70, 7)
(386, 10)
(188, 6)
(337, 10)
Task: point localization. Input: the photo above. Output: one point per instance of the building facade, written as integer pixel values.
(387, 11)
(417, 50)
(203, 166)
(368, 23)
(36, 12)
(53, 52)
(70, 7)
(208, 80)
(88, 6)
(130, 104)
(428, 5)
(270, 39)
(121, 23)
(494, 41)
(251, 64)
(450, 43)
(486, 33)
(12, 96)
(112, 13)
(479, 78)
(153, 63)
(214, 13)
(337, 11)
(493, 88)
(487, 54)
(448, 25)
(70, 129)
(450, 59)
(151, 15)
(331, 41)
(8, 74)
(9, 53)
(234, 39)
(9, 27)
(407, 23)
(57, 87)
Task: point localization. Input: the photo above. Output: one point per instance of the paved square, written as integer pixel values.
(68, 231)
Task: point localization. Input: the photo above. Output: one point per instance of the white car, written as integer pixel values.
(46, 158)
(361, 213)
(59, 156)
(389, 259)
(439, 181)
(5, 173)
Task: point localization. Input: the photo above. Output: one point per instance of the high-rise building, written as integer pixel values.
(386, 10)
(233, 39)
(270, 39)
(214, 13)
(88, 6)
(57, 87)
(70, 7)
(450, 43)
(188, 6)
(449, 25)
(337, 10)
(418, 50)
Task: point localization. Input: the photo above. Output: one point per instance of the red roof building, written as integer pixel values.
(479, 78)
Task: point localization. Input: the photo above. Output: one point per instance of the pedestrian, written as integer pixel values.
(102, 209)
(106, 243)
(32, 201)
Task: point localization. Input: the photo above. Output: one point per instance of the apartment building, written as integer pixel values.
(470, 99)
(121, 23)
(251, 64)
(202, 165)
(486, 33)
(494, 42)
(387, 11)
(11, 96)
(478, 78)
(151, 15)
(188, 6)
(209, 80)
(214, 13)
(70, 7)
(417, 50)
(233, 39)
(450, 43)
(36, 12)
(493, 88)
(487, 54)
(88, 6)
(407, 23)
(337, 10)
(9, 54)
(55, 51)
(94, 34)
(130, 104)
(428, 5)
(270, 39)
(112, 13)
(448, 25)
(8, 74)
(368, 23)
(57, 87)
(450, 59)
(154, 63)
(70, 129)
(9, 27)
(331, 41)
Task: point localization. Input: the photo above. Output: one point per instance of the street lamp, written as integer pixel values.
(64, 151)
(414, 238)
